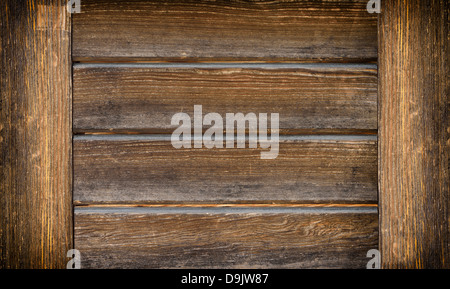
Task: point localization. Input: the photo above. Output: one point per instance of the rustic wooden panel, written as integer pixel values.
(120, 168)
(225, 30)
(35, 134)
(413, 130)
(225, 237)
(145, 97)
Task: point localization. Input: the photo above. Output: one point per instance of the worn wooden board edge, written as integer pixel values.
(155, 60)
(231, 209)
(35, 134)
(245, 237)
(152, 131)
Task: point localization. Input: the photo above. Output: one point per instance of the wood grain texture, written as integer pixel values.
(143, 169)
(35, 137)
(225, 238)
(448, 101)
(143, 98)
(413, 134)
(300, 30)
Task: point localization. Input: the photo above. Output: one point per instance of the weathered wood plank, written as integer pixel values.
(225, 237)
(413, 132)
(124, 169)
(35, 134)
(144, 97)
(225, 30)
(448, 101)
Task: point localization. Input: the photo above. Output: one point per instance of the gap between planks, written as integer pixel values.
(227, 209)
(224, 65)
(228, 205)
(132, 60)
(330, 132)
(167, 137)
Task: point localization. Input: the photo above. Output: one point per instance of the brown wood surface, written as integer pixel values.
(448, 101)
(144, 97)
(35, 134)
(413, 134)
(225, 30)
(225, 237)
(140, 169)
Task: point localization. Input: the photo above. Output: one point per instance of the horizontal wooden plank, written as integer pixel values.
(225, 238)
(144, 97)
(224, 30)
(143, 169)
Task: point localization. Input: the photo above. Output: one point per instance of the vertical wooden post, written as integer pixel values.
(414, 133)
(35, 137)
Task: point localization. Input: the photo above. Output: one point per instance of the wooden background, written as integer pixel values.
(139, 202)
(86, 161)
